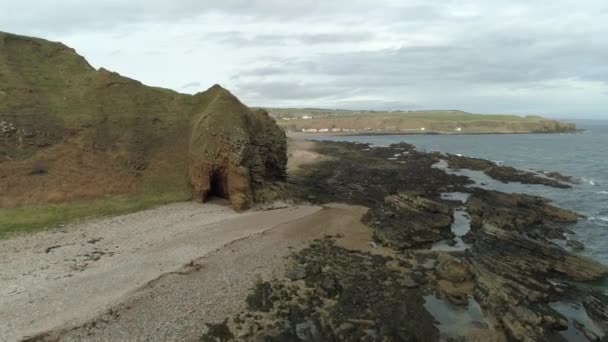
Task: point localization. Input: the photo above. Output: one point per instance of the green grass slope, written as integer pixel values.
(78, 142)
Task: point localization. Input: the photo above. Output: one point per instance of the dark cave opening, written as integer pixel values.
(218, 185)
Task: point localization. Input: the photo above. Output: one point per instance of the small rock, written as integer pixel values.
(218, 332)
(261, 298)
(297, 272)
(49, 249)
(590, 335)
(372, 334)
(331, 285)
(314, 269)
(575, 245)
(451, 269)
(419, 277)
(274, 206)
(408, 282)
(372, 244)
(429, 265)
(308, 332)
(345, 327)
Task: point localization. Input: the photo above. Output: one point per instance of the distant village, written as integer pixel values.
(347, 130)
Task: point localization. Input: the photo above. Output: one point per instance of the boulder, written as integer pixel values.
(575, 245)
(451, 268)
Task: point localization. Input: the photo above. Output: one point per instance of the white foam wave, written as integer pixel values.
(599, 218)
(589, 181)
(603, 192)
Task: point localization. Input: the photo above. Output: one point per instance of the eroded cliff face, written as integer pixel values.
(233, 151)
(69, 132)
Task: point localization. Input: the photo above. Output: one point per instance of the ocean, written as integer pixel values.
(582, 155)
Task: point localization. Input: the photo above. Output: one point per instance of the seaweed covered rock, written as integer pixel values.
(515, 262)
(345, 296)
(407, 220)
(507, 174)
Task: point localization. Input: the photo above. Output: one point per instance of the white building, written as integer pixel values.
(458, 129)
(307, 117)
(335, 130)
(324, 130)
(423, 129)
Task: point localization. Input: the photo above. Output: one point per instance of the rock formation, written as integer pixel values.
(234, 151)
(507, 174)
(71, 132)
(409, 220)
(516, 268)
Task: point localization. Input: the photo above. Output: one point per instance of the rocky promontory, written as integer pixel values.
(71, 133)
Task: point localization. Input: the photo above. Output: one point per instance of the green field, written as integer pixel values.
(39, 217)
(293, 119)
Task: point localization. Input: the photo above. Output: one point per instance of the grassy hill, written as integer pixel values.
(442, 121)
(76, 141)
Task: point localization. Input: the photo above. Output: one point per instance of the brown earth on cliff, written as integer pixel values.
(70, 132)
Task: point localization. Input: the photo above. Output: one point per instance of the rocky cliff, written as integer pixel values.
(71, 132)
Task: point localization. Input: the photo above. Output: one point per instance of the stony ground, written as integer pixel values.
(67, 276)
(513, 270)
(369, 273)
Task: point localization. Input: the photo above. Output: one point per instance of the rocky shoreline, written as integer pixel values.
(505, 278)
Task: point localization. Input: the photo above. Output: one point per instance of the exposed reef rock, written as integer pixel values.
(518, 270)
(409, 220)
(342, 296)
(531, 215)
(95, 133)
(397, 183)
(506, 173)
(513, 268)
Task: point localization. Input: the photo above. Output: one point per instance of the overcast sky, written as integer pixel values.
(519, 56)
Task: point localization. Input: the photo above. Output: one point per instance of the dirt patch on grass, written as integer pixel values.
(62, 173)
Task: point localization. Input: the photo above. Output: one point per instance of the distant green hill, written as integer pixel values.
(70, 133)
(442, 121)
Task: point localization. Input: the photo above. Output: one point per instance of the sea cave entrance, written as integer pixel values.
(218, 185)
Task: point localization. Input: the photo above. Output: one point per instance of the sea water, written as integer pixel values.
(582, 155)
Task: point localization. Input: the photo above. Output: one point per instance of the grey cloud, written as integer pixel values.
(514, 61)
(28, 16)
(290, 90)
(443, 50)
(191, 85)
(488, 60)
(51, 16)
(237, 38)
